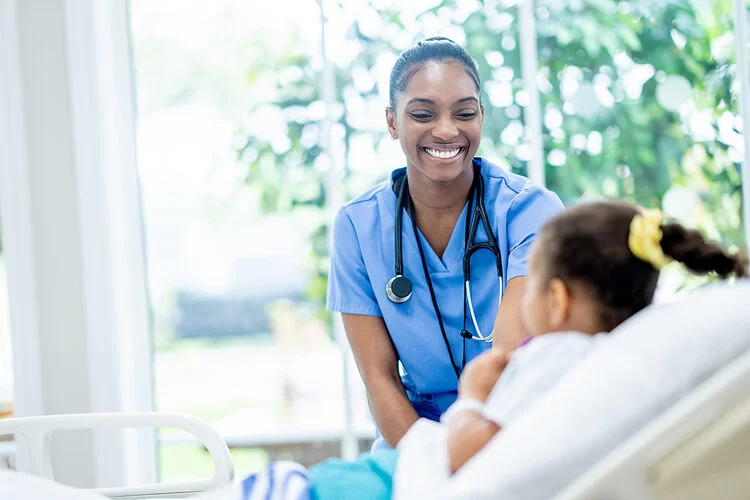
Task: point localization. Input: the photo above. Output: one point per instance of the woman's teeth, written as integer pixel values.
(442, 154)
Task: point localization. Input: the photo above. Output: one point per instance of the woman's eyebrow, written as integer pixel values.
(421, 99)
(430, 101)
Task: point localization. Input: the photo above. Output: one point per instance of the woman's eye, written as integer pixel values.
(467, 115)
(421, 116)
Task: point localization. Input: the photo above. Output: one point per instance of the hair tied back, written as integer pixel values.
(644, 238)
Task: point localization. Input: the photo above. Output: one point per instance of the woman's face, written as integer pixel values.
(438, 121)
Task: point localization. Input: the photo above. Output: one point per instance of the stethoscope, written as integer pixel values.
(399, 288)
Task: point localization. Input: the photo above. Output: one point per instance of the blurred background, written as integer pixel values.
(245, 118)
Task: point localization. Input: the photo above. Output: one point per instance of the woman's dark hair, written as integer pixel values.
(438, 49)
(587, 245)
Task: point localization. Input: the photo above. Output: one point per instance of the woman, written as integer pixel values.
(439, 205)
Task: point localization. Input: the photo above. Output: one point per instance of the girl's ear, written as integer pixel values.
(558, 300)
(390, 119)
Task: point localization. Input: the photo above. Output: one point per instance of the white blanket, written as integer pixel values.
(423, 468)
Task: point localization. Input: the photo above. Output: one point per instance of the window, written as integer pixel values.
(240, 338)
(640, 102)
(240, 127)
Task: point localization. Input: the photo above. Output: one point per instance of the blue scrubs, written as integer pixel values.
(363, 261)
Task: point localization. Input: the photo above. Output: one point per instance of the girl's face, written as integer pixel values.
(438, 120)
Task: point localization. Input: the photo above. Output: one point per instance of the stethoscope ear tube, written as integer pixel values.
(399, 288)
(399, 212)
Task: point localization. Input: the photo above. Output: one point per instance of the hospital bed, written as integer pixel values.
(661, 411)
(37, 433)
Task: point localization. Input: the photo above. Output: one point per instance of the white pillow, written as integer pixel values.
(649, 363)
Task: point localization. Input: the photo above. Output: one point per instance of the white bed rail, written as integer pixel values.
(37, 432)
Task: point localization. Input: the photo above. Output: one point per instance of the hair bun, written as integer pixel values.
(437, 39)
(741, 267)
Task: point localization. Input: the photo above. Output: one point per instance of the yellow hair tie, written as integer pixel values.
(645, 236)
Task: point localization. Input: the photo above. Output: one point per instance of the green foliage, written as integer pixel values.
(607, 130)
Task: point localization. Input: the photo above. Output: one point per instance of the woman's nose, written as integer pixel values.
(445, 130)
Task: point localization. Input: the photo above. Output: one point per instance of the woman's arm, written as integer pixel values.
(509, 328)
(531, 208)
(378, 365)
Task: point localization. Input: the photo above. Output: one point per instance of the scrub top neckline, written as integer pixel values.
(454, 251)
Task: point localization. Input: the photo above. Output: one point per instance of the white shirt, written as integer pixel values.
(533, 370)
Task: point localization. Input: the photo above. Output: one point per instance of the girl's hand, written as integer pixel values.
(481, 374)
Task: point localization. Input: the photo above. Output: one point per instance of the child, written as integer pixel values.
(594, 266)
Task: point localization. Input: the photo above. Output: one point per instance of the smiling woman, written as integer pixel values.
(403, 289)
(441, 117)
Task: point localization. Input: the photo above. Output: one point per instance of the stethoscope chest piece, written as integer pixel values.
(398, 289)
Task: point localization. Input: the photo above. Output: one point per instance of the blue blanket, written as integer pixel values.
(368, 478)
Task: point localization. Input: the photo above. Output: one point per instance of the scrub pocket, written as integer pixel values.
(425, 406)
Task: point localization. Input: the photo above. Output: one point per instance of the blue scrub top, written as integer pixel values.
(363, 261)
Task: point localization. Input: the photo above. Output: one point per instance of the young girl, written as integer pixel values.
(593, 266)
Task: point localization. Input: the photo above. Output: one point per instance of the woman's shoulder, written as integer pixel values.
(367, 201)
(499, 175)
(508, 186)
(371, 195)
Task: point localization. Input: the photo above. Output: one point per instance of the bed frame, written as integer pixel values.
(37, 432)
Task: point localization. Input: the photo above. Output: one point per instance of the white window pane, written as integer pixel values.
(649, 110)
(240, 338)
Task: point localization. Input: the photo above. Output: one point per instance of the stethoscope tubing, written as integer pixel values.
(396, 288)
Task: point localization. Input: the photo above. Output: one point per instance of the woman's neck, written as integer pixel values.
(439, 198)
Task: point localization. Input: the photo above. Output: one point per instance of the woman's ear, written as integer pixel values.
(390, 118)
(559, 303)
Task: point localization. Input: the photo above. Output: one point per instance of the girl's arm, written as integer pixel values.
(468, 430)
(468, 433)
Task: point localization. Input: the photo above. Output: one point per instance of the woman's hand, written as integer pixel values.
(481, 374)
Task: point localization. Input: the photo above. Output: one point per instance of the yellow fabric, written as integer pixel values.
(645, 236)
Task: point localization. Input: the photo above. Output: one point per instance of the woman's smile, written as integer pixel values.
(443, 153)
